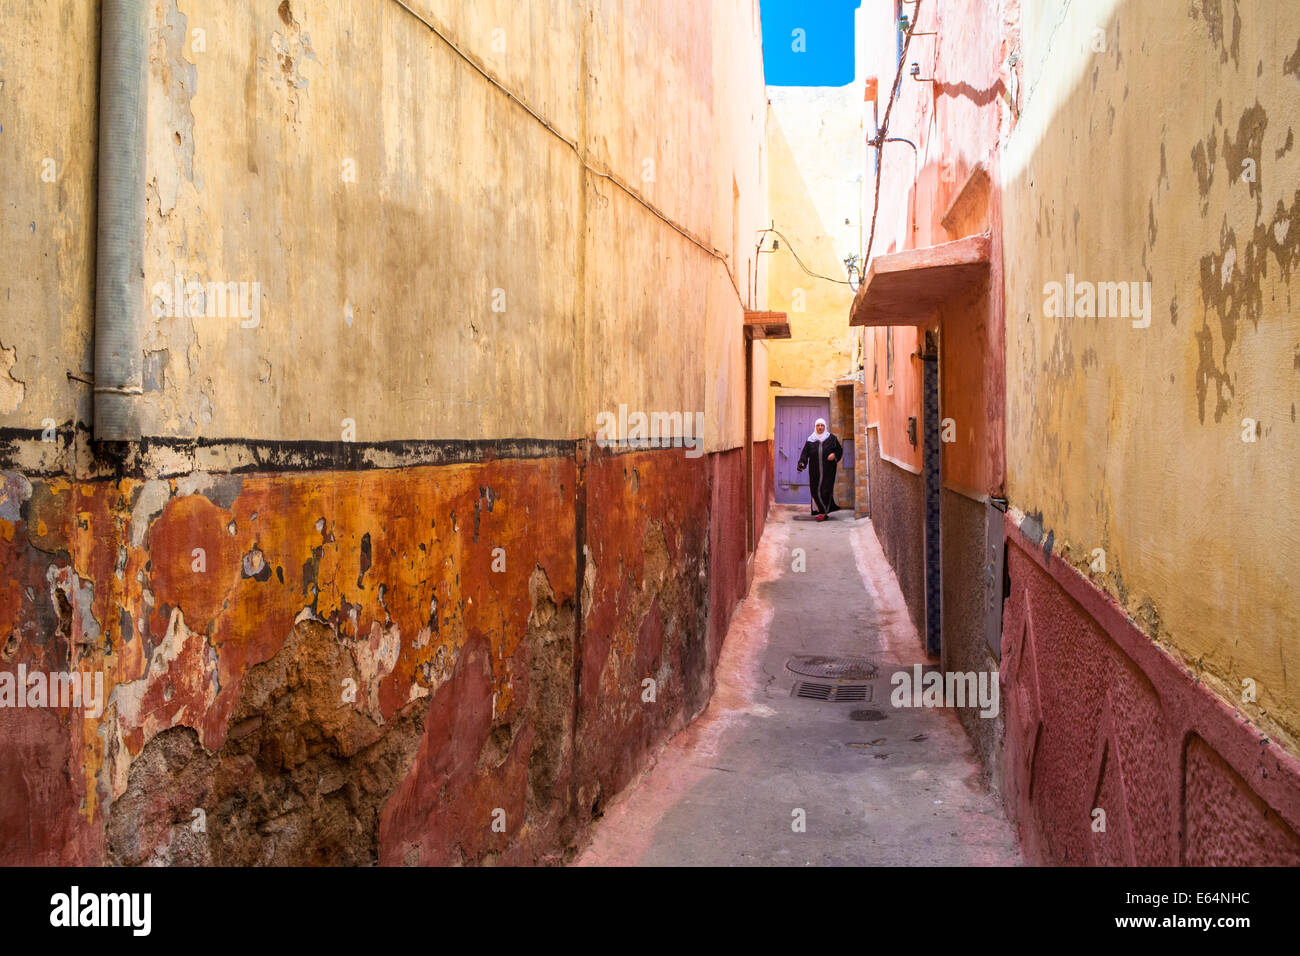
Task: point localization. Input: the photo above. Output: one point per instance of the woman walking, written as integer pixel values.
(821, 451)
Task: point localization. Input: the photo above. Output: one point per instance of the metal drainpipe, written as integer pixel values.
(119, 246)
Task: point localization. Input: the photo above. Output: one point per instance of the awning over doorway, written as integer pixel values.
(907, 288)
(766, 325)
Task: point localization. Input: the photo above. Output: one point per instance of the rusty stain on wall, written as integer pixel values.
(221, 569)
(240, 607)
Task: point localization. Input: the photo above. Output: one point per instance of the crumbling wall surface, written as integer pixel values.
(383, 666)
(727, 572)
(353, 592)
(645, 667)
(296, 624)
(1156, 445)
(299, 780)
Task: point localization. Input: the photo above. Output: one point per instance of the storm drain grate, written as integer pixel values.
(832, 668)
(834, 693)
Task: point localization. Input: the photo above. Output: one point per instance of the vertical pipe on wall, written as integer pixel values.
(119, 247)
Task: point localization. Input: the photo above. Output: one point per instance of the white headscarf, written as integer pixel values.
(822, 437)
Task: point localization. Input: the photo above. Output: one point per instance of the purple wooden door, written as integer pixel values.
(795, 418)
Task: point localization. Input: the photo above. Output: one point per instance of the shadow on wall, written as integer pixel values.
(1116, 752)
(803, 297)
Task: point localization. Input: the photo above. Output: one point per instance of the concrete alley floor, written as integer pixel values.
(903, 788)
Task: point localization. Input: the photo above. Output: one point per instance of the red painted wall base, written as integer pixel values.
(1099, 718)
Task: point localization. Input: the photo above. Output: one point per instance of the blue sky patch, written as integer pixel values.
(808, 42)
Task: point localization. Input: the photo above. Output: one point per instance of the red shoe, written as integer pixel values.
(821, 517)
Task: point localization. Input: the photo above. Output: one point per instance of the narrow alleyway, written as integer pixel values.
(877, 785)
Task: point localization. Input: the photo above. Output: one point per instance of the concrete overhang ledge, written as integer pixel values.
(767, 325)
(907, 288)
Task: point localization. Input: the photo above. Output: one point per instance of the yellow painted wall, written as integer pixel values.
(1130, 164)
(49, 64)
(814, 168)
(377, 290)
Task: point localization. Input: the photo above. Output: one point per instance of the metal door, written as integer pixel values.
(795, 418)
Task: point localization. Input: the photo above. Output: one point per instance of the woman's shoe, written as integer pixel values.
(821, 517)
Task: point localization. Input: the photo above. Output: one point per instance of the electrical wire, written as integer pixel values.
(815, 275)
(882, 132)
(579, 153)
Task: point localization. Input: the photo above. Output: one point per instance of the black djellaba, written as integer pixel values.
(821, 454)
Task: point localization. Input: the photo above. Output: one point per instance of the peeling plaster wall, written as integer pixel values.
(492, 587)
(646, 614)
(230, 614)
(1135, 141)
(1130, 164)
(194, 585)
(406, 222)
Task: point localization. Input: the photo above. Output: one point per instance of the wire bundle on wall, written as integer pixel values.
(883, 132)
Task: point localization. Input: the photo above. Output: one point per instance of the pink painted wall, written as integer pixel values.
(955, 123)
(1099, 717)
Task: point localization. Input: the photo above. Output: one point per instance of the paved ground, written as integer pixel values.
(901, 789)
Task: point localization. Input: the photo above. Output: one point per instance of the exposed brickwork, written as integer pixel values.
(862, 473)
(842, 425)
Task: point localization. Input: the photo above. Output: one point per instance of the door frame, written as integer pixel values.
(932, 482)
(810, 397)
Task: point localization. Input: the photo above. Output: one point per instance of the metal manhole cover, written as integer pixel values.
(834, 693)
(832, 668)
